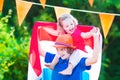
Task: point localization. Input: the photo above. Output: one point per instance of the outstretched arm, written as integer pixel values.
(51, 31)
(89, 34)
(96, 50)
(86, 34)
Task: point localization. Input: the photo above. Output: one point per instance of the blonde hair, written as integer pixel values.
(63, 17)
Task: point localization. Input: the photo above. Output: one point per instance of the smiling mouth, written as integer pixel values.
(63, 55)
(71, 30)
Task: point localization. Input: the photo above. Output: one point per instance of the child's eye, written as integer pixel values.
(71, 24)
(67, 26)
(61, 49)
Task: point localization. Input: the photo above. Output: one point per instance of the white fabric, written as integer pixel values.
(95, 69)
(76, 57)
(31, 74)
(46, 46)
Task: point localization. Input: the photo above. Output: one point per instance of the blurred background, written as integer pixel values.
(15, 39)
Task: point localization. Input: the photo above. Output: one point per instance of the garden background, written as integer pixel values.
(15, 38)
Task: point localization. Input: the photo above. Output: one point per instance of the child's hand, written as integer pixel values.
(39, 27)
(49, 65)
(92, 31)
(96, 33)
(95, 30)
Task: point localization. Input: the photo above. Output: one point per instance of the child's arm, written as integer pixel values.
(55, 60)
(51, 31)
(89, 34)
(96, 51)
(54, 32)
(53, 63)
(86, 34)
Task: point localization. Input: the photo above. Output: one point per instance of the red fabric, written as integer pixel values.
(43, 35)
(40, 34)
(85, 28)
(78, 40)
(34, 53)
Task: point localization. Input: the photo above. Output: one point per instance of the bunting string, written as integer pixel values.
(86, 11)
(105, 18)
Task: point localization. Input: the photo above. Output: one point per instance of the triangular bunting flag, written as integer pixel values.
(43, 2)
(1, 5)
(106, 22)
(91, 2)
(22, 10)
(59, 11)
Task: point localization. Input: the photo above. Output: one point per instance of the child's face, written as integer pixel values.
(63, 53)
(68, 25)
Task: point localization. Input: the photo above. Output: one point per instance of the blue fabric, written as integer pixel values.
(46, 74)
(63, 64)
(85, 76)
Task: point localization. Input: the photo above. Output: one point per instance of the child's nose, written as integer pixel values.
(71, 26)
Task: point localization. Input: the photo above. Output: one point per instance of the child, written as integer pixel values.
(68, 24)
(64, 46)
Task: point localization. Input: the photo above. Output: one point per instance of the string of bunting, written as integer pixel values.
(86, 11)
(105, 18)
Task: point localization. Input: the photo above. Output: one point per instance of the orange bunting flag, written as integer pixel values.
(59, 11)
(22, 10)
(91, 2)
(106, 22)
(1, 5)
(43, 2)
